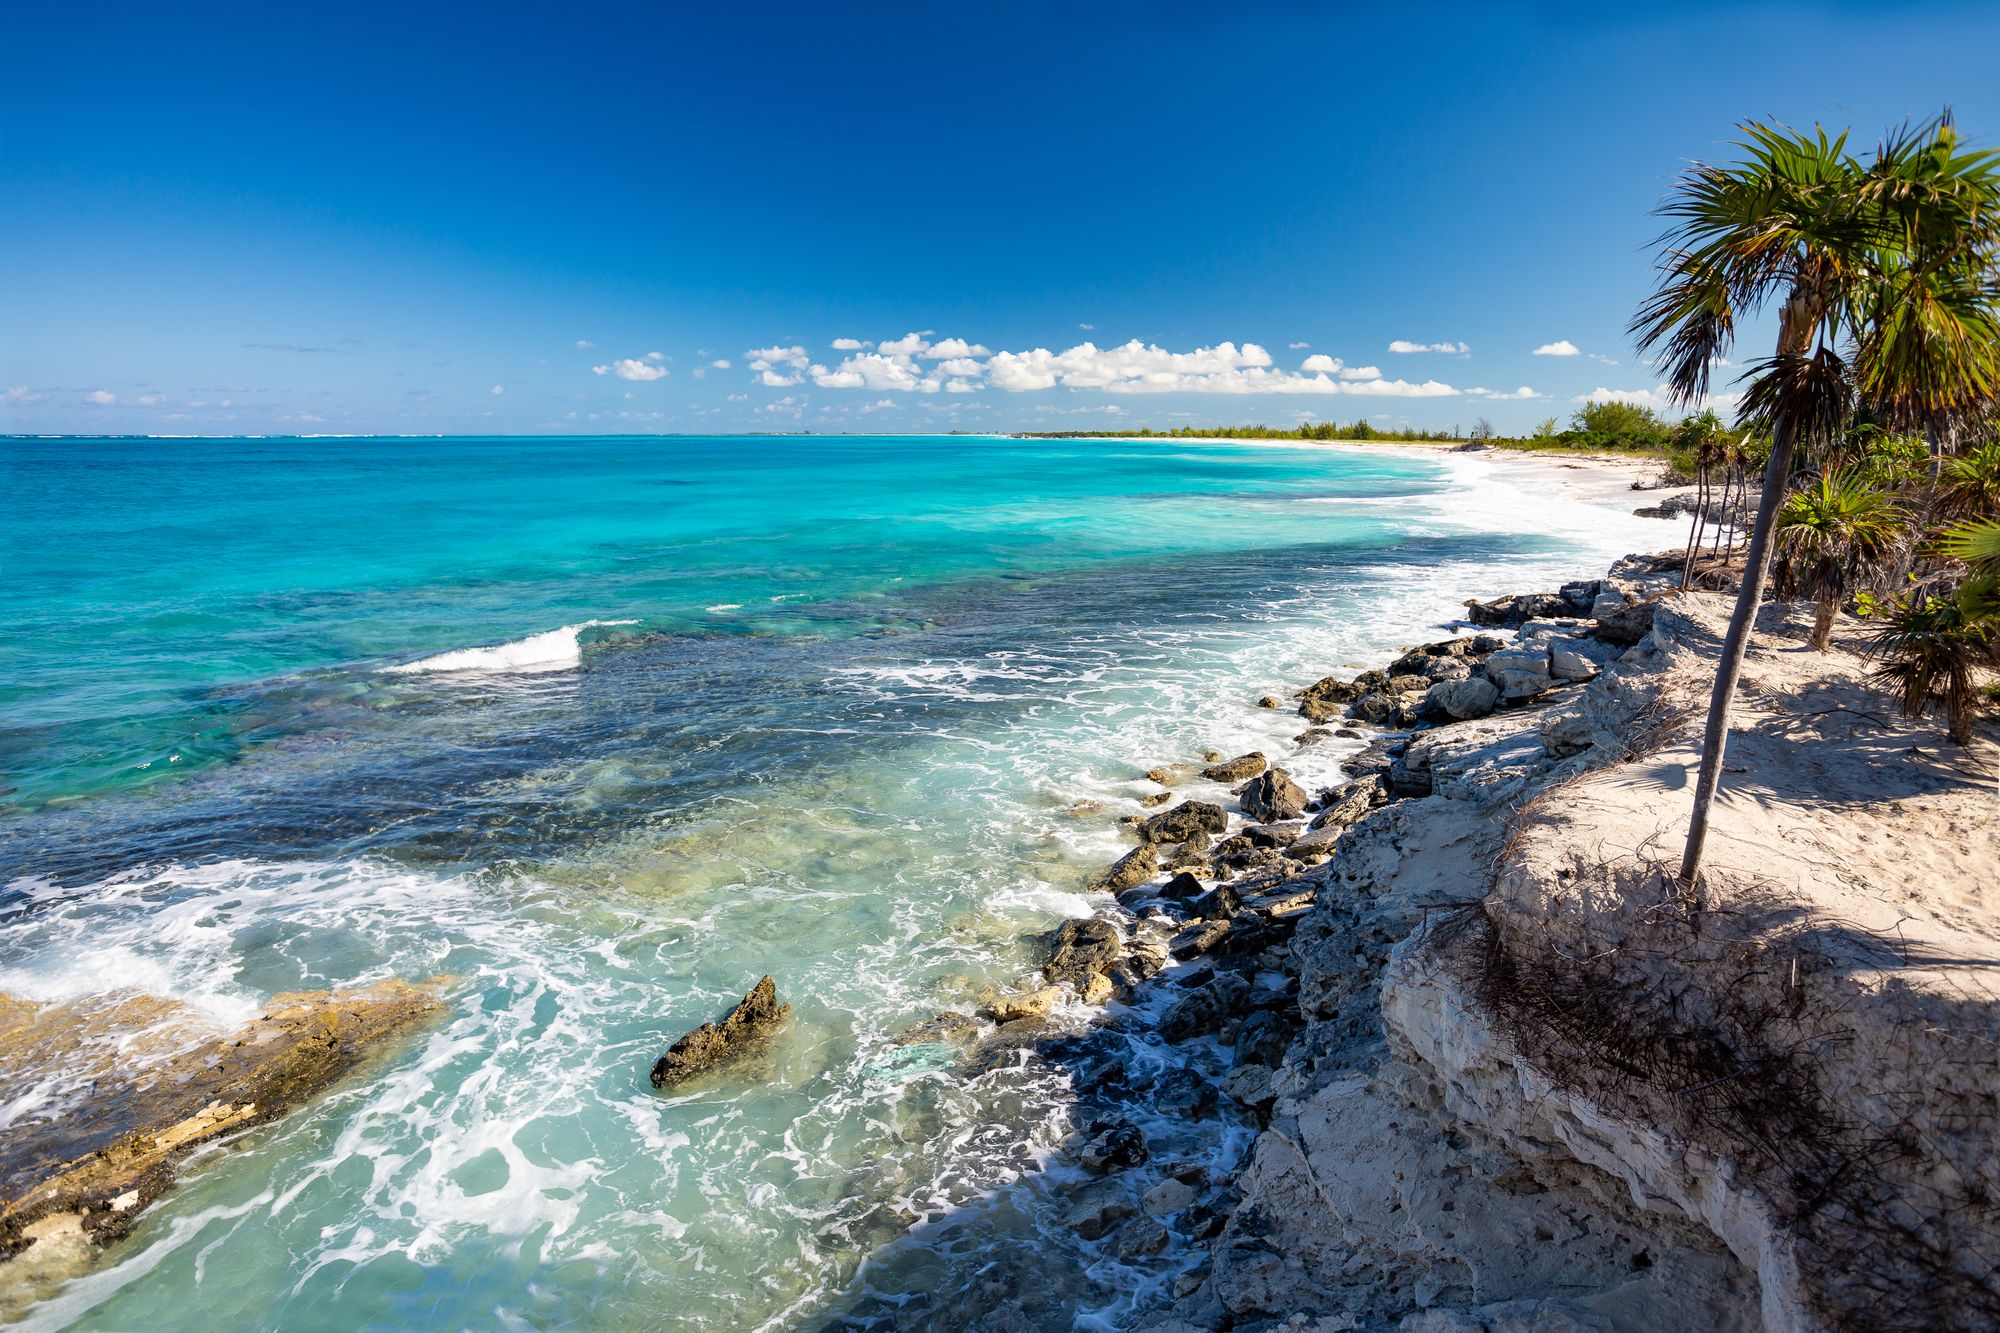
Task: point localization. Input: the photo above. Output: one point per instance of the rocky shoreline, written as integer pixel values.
(1331, 971)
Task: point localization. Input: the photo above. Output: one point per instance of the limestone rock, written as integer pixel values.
(1167, 1198)
(1098, 1207)
(1083, 947)
(748, 1025)
(1184, 821)
(1029, 1004)
(1134, 868)
(1235, 770)
(1470, 697)
(1272, 796)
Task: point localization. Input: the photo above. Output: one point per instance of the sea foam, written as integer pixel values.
(552, 650)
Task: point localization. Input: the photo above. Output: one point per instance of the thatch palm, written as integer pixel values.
(1879, 270)
(1836, 529)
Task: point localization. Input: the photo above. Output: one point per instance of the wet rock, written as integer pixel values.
(1466, 698)
(1235, 770)
(1263, 1039)
(1168, 1197)
(1385, 708)
(1154, 798)
(1182, 888)
(1270, 701)
(950, 1028)
(1098, 1207)
(72, 1181)
(1183, 822)
(1135, 867)
(1184, 1093)
(1311, 736)
(1218, 904)
(1273, 796)
(1323, 700)
(1169, 774)
(1028, 1004)
(1138, 1238)
(1512, 610)
(1253, 1085)
(748, 1026)
(1113, 1145)
(1204, 1009)
(1083, 947)
(1193, 851)
(1198, 938)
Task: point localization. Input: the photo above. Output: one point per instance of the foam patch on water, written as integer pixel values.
(553, 650)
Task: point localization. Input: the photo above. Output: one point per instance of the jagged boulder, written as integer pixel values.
(1183, 822)
(1128, 871)
(1323, 700)
(1272, 796)
(1235, 770)
(1084, 947)
(748, 1026)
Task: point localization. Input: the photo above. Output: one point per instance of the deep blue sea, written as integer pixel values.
(603, 729)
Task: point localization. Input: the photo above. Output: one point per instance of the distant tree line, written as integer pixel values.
(1325, 430)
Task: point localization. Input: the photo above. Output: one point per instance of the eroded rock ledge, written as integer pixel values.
(76, 1173)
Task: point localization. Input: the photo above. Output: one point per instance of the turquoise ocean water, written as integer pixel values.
(602, 730)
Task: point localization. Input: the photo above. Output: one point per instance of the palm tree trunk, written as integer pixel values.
(1756, 568)
(1694, 528)
(1823, 614)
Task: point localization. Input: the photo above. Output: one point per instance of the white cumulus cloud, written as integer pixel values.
(1405, 345)
(584, 344)
(101, 397)
(720, 363)
(1522, 393)
(953, 348)
(1298, 347)
(767, 358)
(852, 344)
(631, 368)
(1560, 347)
(497, 390)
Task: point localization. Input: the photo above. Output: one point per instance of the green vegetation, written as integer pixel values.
(1883, 277)
(1838, 528)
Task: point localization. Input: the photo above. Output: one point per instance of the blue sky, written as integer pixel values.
(447, 219)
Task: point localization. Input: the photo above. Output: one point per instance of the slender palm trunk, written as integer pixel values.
(1823, 613)
(1721, 513)
(1756, 568)
(1694, 527)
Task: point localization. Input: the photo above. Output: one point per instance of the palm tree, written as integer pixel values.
(1969, 485)
(1837, 528)
(1931, 647)
(1879, 272)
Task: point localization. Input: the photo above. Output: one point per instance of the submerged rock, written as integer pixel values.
(70, 1179)
(748, 1025)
